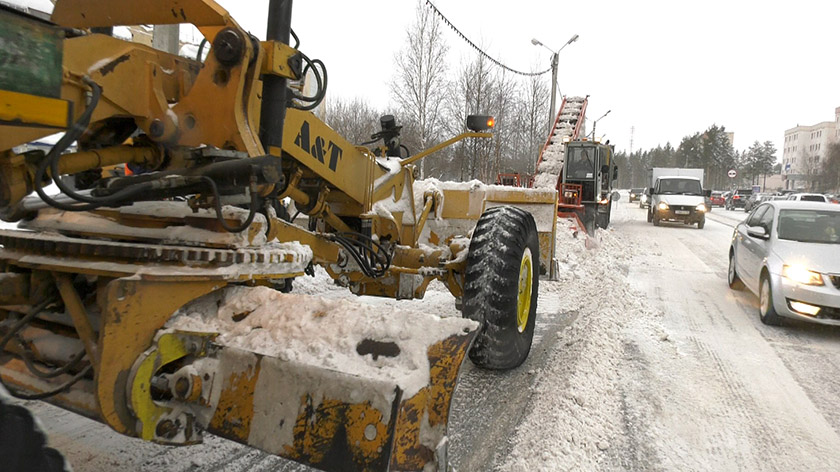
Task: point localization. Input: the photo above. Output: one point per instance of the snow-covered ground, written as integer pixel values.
(643, 359)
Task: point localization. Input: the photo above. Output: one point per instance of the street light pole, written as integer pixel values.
(595, 123)
(554, 61)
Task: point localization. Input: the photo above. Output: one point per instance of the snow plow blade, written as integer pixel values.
(340, 414)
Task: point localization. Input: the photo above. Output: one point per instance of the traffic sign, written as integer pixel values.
(732, 173)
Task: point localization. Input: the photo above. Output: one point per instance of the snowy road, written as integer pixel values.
(644, 359)
(724, 392)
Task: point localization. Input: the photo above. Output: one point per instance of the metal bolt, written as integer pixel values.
(182, 388)
(156, 129)
(228, 47)
(166, 429)
(370, 432)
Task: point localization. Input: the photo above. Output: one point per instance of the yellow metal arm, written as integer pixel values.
(444, 144)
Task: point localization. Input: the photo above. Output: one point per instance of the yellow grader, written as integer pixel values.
(155, 302)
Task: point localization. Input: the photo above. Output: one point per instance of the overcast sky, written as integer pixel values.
(669, 68)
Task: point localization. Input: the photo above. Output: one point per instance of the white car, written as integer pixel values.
(808, 197)
(788, 254)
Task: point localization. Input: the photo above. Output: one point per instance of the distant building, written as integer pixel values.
(731, 137)
(805, 150)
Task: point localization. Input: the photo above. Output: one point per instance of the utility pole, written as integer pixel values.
(554, 61)
(632, 131)
(165, 38)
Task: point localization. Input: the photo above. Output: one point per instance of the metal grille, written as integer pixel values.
(829, 313)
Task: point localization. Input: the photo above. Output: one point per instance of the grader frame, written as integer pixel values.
(108, 278)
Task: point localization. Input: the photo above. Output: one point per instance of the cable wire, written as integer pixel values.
(217, 203)
(478, 49)
(13, 331)
(371, 257)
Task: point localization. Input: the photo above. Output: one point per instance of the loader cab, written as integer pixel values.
(586, 183)
(590, 165)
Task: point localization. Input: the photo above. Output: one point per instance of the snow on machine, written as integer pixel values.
(156, 301)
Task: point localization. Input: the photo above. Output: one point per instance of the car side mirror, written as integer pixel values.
(707, 193)
(615, 172)
(649, 191)
(757, 232)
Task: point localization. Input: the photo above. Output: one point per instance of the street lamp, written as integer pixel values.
(595, 123)
(554, 61)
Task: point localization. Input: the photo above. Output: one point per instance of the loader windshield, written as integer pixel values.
(581, 163)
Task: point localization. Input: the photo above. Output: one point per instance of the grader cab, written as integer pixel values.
(154, 301)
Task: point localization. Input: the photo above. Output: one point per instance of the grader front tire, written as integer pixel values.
(501, 287)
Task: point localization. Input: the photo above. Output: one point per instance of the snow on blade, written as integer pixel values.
(322, 332)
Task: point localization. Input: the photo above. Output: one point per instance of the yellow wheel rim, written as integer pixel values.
(523, 300)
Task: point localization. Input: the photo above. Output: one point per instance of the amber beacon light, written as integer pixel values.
(480, 122)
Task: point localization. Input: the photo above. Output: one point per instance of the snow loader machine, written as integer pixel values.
(581, 169)
(585, 186)
(155, 301)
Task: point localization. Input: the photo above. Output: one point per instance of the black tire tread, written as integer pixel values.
(771, 318)
(737, 283)
(23, 446)
(498, 241)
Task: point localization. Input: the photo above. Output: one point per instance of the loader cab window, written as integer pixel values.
(581, 163)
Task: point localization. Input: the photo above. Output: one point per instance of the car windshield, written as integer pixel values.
(810, 226)
(745, 192)
(636, 190)
(680, 186)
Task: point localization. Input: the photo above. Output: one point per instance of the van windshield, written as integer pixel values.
(680, 186)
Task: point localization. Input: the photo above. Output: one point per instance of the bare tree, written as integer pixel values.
(472, 94)
(419, 86)
(532, 116)
(830, 170)
(504, 109)
(356, 120)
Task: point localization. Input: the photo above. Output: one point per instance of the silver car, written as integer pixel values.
(788, 253)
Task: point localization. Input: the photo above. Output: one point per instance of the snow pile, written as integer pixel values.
(437, 301)
(551, 159)
(577, 402)
(322, 332)
(546, 180)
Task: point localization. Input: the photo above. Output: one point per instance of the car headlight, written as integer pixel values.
(663, 206)
(632, 195)
(800, 274)
(701, 207)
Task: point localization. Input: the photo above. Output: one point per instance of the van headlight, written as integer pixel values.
(701, 208)
(801, 275)
(663, 206)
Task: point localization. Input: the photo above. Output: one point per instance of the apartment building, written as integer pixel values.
(805, 149)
